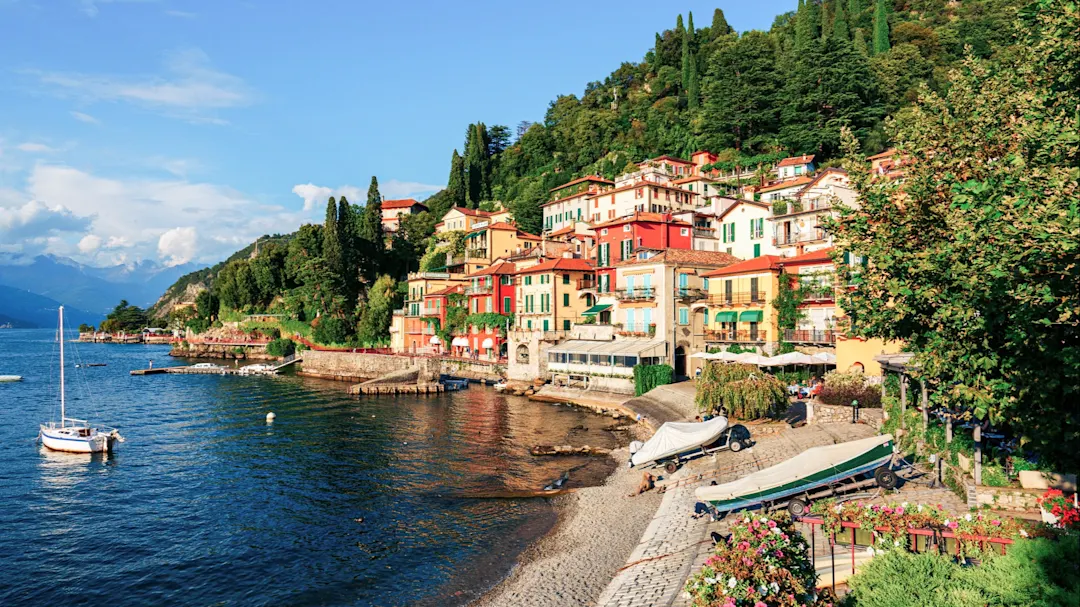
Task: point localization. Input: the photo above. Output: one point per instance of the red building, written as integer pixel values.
(490, 290)
(616, 240)
(434, 307)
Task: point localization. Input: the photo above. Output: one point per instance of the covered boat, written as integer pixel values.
(813, 468)
(674, 438)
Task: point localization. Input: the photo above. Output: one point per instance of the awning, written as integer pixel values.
(598, 308)
(435, 340)
(460, 342)
(751, 316)
(488, 343)
(618, 347)
(727, 316)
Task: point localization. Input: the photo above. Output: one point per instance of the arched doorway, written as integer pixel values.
(523, 354)
(680, 362)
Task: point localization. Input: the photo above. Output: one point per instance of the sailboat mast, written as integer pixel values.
(62, 413)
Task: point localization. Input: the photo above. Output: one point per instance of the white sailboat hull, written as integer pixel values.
(77, 440)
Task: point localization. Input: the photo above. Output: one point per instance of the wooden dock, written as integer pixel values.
(189, 371)
(387, 389)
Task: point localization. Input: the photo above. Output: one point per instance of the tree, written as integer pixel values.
(840, 30)
(975, 251)
(526, 208)
(376, 316)
(371, 221)
(457, 186)
(125, 318)
(207, 305)
(499, 137)
(881, 28)
(687, 59)
(331, 245)
(740, 103)
(354, 251)
(477, 145)
(720, 25)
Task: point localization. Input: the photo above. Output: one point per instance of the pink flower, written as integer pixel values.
(747, 561)
(760, 604)
(779, 554)
(953, 524)
(772, 524)
(756, 524)
(995, 522)
(900, 511)
(887, 510)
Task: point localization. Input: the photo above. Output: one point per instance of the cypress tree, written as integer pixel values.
(825, 23)
(331, 244)
(690, 25)
(720, 25)
(686, 67)
(840, 22)
(693, 91)
(881, 28)
(856, 10)
(477, 165)
(371, 222)
(456, 186)
(859, 40)
(346, 229)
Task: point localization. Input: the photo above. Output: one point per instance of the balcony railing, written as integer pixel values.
(636, 328)
(737, 298)
(704, 233)
(637, 294)
(737, 336)
(811, 235)
(792, 207)
(477, 253)
(810, 336)
(478, 290)
(583, 284)
(690, 293)
(454, 260)
(818, 293)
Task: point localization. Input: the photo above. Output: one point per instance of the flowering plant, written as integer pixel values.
(763, 564)
(890, 523)
(1055, 502)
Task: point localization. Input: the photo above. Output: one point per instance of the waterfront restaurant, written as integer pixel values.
(581, 357)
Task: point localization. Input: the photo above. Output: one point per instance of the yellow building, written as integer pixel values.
(550, 294)
(739, 307)
(460, 219)
(487, 242)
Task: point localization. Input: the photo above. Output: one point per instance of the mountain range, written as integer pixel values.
(92, 290)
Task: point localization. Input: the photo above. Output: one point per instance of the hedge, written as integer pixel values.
(647, 377)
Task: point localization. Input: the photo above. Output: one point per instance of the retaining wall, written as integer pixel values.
(350, 366)
(820, 413)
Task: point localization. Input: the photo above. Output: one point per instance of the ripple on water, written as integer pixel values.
(208, 504)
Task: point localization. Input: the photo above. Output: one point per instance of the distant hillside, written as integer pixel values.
(97, 290)
(16, 323)
(38, 310)
(186, 287)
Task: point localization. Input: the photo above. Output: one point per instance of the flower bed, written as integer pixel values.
(1060, 507)
(764, 563)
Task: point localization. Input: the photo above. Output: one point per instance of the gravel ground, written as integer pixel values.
(598, 529)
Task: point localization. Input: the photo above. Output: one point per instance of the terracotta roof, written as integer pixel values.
(819, 256)
(403, 203)
(741, 201)
(640, 216)
(642, 184)
(885, 154)
(685, 257)
(594, 178)
(497, 268)
(507, 227)
(694, 178)
(563, 231)
(666, 157)
(790, 183)
(445, 291)
(757, 264)
(472, 212)
(561, 263)
(702, 152)
(796, 160)
(819, 177)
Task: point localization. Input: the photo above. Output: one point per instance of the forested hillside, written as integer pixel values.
(788, 90)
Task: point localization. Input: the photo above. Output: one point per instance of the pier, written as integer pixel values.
(386, 389)
(198, 371)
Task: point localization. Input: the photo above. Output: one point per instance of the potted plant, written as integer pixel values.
(652, 329)
(1059, 510)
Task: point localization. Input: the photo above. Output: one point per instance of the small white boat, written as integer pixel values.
(10, 378)
(258, 369)
(677, 441)
(500, 386)
(206, 366)
(76, 435)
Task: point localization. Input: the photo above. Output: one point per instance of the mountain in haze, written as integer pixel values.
(21, 308)
(96, 290)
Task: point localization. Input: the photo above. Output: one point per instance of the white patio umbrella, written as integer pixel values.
(794, 358)
(704, 355)
(824, 357)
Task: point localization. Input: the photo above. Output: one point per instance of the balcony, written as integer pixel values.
(704, 233)
(586, 283)
(810, 336)
(690, 294)
(812, 235)
(454, 260)
(479, 290)
(477, 253)
(636, 329)
(782, 208)
(642, 294)
(738, 298)
(747, 337)
(816, 293)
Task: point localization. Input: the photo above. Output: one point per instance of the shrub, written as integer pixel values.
(1038, 572)
(744, 391)
(842, 388)
(85, 328)
(331, 331)
(647, 377)
(281, 347)
(763, 562)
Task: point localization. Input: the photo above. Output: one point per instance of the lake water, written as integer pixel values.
(339, 502)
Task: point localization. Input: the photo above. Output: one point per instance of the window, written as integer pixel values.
(566, 279)
(627, 245)
(798, 170)
(566, 325)
(603, 232)
(566, 300)
(705, 284)
(528, 280)
(757, 249)
(487, 302)
(506, 305)
(530, 325)
(626, 227)
(684, 316)
(684, 232)
(754, 289)
(546, 326)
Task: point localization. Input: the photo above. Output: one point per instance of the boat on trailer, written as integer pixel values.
(795, 480)
(75, 435)
(676, 442)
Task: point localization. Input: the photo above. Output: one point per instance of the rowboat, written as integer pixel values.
(810, 470)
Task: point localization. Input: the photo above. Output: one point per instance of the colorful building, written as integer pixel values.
(798, 225)
(795, 166)
(639, 196)
(416, 332)
(393, 210)
(487, 242)
(434, 309)
(461, 219)
(489, 291)
(554, 294)
(617, 240)
(738, 309)
(568, 203)
(742, 229)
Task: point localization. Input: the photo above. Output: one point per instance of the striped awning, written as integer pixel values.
(751, 316)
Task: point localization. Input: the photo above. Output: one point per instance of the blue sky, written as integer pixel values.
(177, 130)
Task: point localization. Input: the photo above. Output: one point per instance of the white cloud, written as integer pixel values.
(181, 14)
(315, 196)
(89, 243)
(87, 118)
(31, 146)
(191, 88)
(36, 219)
(178, 245)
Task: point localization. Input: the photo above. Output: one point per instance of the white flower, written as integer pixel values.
(1023, 533)
(710, 580)
(870, 550)
(763, 590)
(777, 530)
(774, 587)
(838, 508)
(946, 522)
(904, 505)
(967, 517)
(920, 507)
(764, 520)
(732, 582)
(896, 542)
(746, 520)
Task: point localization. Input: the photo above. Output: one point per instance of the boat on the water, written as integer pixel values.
(258, 369)
(807, 472)
(500, 386)
(75, 435)
(10, 378)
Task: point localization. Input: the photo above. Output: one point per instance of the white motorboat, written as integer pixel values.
(678, 441)
(10, 378)
(500, 386)
(258, 369)
(76, 435)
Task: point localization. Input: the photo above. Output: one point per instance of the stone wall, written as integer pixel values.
(189, 350)
(350, 366)
(1011, 499)
(820, 413)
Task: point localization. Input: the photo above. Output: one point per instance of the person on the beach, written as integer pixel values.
(648, 481)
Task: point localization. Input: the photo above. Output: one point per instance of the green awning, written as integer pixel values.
(751, 316)
(727, 317)
(596, 309)
(473, 234)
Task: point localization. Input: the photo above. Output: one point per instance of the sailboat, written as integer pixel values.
(76, 435)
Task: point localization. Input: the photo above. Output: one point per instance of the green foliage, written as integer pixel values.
(85, 328)
(1035, 572)
(841, 388)
(125, 318)
(331, 330)
(975, 250)
(382, 299)
(489, 320)
(371, 221)
(744, 391)
(881, 27)
(647, 377)
(281, 347)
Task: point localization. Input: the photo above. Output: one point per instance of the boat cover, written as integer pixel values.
(808, 465)
(676, 437)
